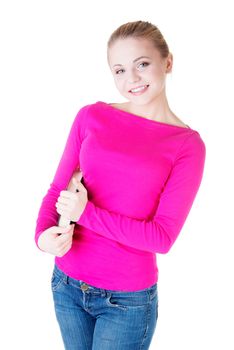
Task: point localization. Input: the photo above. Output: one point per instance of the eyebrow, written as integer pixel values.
(136, 59)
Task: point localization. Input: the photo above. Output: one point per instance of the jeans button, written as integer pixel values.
(84, 286)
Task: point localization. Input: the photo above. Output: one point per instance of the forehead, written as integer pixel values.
(128, 49)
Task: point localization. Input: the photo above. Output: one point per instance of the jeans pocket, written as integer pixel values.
(113, 302)
(126, 300)
(56, 281)
(153, 292)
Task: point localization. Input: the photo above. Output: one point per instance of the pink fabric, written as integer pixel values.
(142, 177)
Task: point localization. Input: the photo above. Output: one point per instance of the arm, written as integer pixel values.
(159, 234)
(69, 162)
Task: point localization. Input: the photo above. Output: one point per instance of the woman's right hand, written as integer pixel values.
(56, 240)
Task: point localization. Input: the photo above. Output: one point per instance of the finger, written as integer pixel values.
(66, 194)
(61, 206)
(78, 185)
(67, 233)
(64, 210)
(63, 200)
(75, 183)
(66, 236)
(58, 229)
(63, 251)
(78, 175)
(66, 245)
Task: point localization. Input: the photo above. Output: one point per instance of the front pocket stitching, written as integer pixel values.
(123, 307)
(58, 283)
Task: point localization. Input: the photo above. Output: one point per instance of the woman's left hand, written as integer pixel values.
(71, 205)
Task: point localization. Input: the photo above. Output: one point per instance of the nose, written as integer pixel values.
(133, 77)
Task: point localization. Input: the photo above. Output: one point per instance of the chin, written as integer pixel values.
(141, 101)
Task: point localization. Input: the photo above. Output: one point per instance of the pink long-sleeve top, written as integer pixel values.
(142, 177)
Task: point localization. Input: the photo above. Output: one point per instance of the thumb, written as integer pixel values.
(78, 185)
(54, 230)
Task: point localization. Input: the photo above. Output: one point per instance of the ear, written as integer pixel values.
(169, 63)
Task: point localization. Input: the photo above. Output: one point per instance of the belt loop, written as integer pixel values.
(66, 279)
(103, 292)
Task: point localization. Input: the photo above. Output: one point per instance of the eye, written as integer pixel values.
(144, 63)
(117, 72)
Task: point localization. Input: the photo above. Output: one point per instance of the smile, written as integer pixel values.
(139, 90)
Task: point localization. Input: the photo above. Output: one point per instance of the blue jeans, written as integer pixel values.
(92, 318)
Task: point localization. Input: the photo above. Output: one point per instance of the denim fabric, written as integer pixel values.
(93, 318)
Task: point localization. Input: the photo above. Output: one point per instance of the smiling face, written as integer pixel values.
(136, 63)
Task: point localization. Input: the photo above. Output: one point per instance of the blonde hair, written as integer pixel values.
(140, 30)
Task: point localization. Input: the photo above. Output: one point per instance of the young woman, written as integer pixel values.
(142, 167)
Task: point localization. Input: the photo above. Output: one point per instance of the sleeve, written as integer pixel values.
(68, 163)
(158, 234)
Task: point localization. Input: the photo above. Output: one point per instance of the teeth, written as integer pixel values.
(138, 89)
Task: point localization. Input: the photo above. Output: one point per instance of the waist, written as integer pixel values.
(105, 263)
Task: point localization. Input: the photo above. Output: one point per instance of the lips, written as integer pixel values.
(137, 87)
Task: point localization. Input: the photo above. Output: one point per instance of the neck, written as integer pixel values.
(157, 109)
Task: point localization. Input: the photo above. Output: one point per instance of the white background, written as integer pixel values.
(53, 62)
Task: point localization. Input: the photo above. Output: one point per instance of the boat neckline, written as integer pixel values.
(144, 120)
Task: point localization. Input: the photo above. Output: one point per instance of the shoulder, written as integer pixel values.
(85, 108)
(79, 124)
(195, 141)
(83, 112)
(192, 149)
